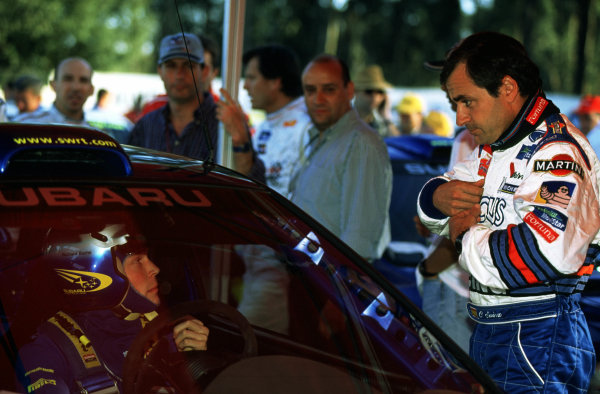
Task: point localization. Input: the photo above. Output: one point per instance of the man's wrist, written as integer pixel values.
(243, 148)
(458, 242)
(423, 270)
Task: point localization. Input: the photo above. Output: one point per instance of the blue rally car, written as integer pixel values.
(290, 308)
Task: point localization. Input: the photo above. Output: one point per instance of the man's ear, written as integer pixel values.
(509, 88)
(53, 85)
(350, 89)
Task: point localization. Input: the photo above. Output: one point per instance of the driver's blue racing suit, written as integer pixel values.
(52, 363)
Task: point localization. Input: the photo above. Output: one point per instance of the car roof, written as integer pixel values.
(70, 151)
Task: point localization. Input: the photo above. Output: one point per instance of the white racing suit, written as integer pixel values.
(532, 252)
(279, 140)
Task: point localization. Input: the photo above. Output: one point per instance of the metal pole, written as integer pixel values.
(231, 66)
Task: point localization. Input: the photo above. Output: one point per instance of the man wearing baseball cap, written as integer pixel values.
(187, 125)
(411, 111)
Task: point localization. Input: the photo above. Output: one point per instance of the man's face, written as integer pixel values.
(486, 117)
(141, 272)
(27, 101)
(262, 91)
(588, 121)
(368, 100)
(411, 122)
(73, 86)
(327, 99)
(177, 78)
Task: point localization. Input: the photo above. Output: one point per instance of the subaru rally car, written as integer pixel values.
(289, 306)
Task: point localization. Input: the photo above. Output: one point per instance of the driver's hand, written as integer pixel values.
(192, 334)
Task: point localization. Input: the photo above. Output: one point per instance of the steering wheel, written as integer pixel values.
(152, 361)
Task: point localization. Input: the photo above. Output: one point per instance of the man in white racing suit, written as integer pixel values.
(524, 213)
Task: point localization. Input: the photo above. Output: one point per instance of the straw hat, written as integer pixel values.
(371, 77)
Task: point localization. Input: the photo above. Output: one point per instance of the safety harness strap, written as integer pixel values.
(90, 375)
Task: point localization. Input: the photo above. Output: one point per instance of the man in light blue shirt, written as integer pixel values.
(344, 176)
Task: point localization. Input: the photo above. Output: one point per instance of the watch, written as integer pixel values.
(458, 242)
(423, 270)
(243, 148)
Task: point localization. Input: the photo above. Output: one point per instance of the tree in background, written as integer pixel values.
(36, 34)
(116, 35)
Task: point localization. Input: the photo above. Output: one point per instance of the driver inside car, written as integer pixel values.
(108, 288)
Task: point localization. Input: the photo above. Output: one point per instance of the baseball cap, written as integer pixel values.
(439, 123)
(410, 104)
(589, 104)
(174, 47)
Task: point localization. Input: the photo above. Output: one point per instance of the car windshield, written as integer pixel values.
(243, 247)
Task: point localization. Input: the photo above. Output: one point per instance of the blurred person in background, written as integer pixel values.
(212, 62)
(272, 79)
(344, 176)
(72, 84)
(10, 107)
(439, 124)
(188, 124)
(104, 100)
(411, 111)
(28, 95)
(370, 100)
(588, 116)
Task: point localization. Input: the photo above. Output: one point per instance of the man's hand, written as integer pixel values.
(421, 229)
(456, 196)
(230, 113)
(463, 220)
(192, 334)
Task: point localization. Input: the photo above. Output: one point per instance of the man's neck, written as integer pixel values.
(182, 114)
(281, 101)
(71, 115)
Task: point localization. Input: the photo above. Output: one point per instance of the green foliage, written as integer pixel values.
(399, 35)
(37, 34)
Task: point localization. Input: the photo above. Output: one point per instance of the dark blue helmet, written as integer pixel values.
(87, 268)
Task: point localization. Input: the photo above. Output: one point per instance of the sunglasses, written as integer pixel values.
(373, 91)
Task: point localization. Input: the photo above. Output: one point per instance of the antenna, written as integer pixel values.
(210, 160)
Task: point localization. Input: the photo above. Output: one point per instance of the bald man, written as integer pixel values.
(72, 84)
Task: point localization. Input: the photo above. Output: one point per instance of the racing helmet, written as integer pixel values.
(87, 269)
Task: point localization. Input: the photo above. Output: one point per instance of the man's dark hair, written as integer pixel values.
(278, 61)
(326, 58)
(210, 45)
(488, 57)
(28, 82)
(101, 93)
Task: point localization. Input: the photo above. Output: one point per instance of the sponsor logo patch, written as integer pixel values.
(508, 188)
(290, 123)
(540, 227)
(264, 135)
(536, 135)
(552, 217)
(82, 282)
(525, 152)
(538, 108)
(555, 193)
(560, 165)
